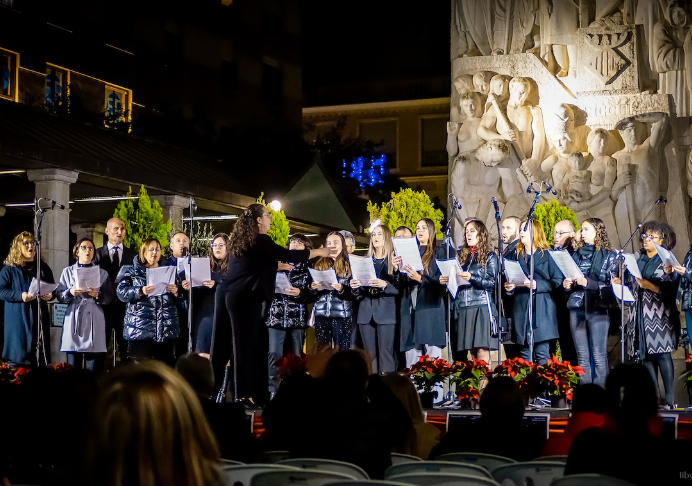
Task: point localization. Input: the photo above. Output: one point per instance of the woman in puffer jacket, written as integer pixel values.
(588, 303)
(151, 321)
(287, 318)
(333, 310)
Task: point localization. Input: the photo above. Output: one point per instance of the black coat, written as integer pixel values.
(288, 312)
(684, 295)
(482, 284)
(596, 267)
(379, 305)
(103, 260)
(548, 277)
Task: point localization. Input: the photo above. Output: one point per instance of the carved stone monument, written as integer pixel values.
(594, 97)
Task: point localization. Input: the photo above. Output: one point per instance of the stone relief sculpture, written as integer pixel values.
(582, 93)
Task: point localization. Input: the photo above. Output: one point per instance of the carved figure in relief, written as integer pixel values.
(472, 20)
(638, 170)
(647, 14)
(673, 47)
(490, 170)
(462, 84)
(578, 180)
(559, 22)
(557, 165)
(463, 137)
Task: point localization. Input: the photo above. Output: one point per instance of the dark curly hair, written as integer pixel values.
(246, 230)
(485, 246)
(668, 236)
(602, 241)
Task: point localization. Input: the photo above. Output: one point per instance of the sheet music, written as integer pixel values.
(631, 264)
(450, 268)
(88, 277)
(325, 278)
(46, 287)
(362, 268)
(407, 249)
(281, 283)
(566, 264)
(201, 271)
(515, 275)
(618, 291)
(160, 277)
(667, 256)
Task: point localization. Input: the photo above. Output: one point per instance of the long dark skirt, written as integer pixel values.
(473, 328)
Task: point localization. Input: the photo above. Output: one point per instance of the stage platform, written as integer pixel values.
(558, 420)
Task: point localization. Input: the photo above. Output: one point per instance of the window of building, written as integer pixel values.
(57, 84)
(229, 74)
(433, 137)
(117, 101)
(9, 74)
(384, 131)
(272, 84)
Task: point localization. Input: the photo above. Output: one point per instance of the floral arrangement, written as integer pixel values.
(557, 378)
(14, 375)
(467, 376)
(292, 363)
(428, 372)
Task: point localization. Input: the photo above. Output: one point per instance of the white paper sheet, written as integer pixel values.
(566, 264)
(181, 263)
(160, 277)
(281, 283)
(618, 291)
(324, 277)
(201, 271)
(88, 277)
(631, 264)
(515, 275)
(362, 268)
(407, 249)
(46, 287)
(450, 268)
(667, 256)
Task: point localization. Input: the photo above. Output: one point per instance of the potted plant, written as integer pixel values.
(520, 370)
(556, 380)
(426, 374)
(467, 376)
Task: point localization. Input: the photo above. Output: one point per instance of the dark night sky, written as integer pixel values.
(368, 40)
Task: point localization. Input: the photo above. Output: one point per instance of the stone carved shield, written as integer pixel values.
(607, 63)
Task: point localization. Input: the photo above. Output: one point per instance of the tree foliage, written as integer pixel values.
(406, 208)
(143, 219)
(279, 229)
(201, 239)
(549, 213)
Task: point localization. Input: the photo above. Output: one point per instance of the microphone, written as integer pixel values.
(529, 188)
(550, 188)
(457, 204)
(661, 199)
(53, 203)
(497, 209)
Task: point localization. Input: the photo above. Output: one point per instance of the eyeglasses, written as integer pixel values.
(651, 237)
(219, 245)
(560, 233)
(86, 248)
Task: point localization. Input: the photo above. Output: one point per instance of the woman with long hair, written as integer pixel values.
(547, 276)
(333, 310)
(21, 330)
(203, 297)
(151, 321)
(588, 303)
(245, 291)
(653, 326)
(84, 329)
(426, 327)
(377, 308)
(287, 319)
(473, 304)
(148, 429)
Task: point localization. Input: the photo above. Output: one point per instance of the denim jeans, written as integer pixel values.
(541, 350)
(664, 363)
(277, 339)
(590, 334)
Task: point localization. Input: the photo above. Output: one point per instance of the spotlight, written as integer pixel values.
(275, 205)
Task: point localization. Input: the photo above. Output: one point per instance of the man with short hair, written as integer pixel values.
(564, 234)
(180, 244)
(350, 241)
(510, 235)
(112, 257)
(403, 232)
(180, 247)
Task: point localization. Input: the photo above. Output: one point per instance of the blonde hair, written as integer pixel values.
(15, 257)
(540, 242)
(427, 256)
(387, 246)
(143, 251)
(340, 264)
(149, 430)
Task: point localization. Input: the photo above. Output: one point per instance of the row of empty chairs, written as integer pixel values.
(459, 469)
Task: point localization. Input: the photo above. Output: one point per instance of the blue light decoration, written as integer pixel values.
(114, 103)
(368, 171)
(53, 88)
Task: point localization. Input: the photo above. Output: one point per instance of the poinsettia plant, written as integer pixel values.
(292, 363)
(557, 378)
(467, 376)
(428, 372)
(14, 374)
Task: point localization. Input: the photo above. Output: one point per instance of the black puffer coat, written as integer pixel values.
(596, 265)
(286, 311)
(481, 284)
(684, 295)
(147, 318)
(332, 303)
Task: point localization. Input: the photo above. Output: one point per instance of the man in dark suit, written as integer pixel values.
(564, 235)
(112, 257)
(180, 247)
(510, 237)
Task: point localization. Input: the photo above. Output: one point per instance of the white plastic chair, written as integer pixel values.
(327, 465)
(297, 477)
(562, 459)
(231, 462)
(398, 458)
(365, 482)
(590, 480)
(539, 473)
(486, 461)
(443, 479)
(272, 457)
(241, 475)
(436, 467)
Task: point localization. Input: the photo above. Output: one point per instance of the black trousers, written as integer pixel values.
(378, 341)
(238, 317)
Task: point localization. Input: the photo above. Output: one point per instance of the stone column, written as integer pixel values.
(173, 207)
(55, 231)
(94, 231)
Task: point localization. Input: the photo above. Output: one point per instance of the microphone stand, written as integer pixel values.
(448, 241)
(189, 265)
(498, 291)
(529, 223)
(40, 338)
(621, 273)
